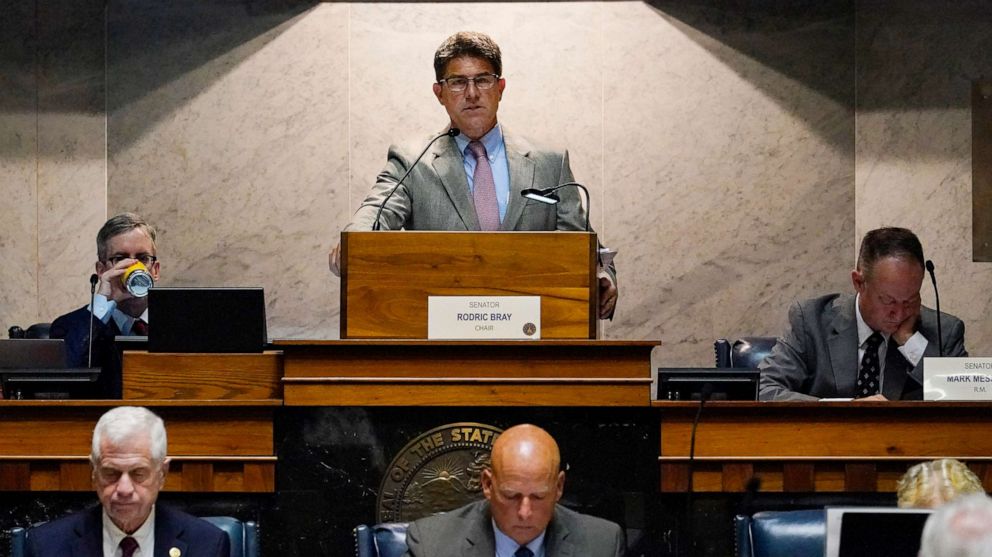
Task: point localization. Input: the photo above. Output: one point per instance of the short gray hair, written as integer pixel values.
(117, 225)
(124, 422)
(962, 528)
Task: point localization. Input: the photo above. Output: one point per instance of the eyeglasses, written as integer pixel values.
(459, 84)
(145, 258)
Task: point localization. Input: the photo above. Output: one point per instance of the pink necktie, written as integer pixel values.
(484, 189)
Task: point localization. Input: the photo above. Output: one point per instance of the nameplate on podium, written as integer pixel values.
(957, 378)
(483, 317)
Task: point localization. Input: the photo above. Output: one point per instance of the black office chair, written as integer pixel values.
(780, 534)
(744, 353)
(381, 540)
(38, 330)
(243, 536)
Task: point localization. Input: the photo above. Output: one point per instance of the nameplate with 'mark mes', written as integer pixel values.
(483, 317)
(957, 378)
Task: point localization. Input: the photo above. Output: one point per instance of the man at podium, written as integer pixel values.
(473, 179)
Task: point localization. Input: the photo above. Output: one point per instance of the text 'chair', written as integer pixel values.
(381, 540)
(781, 534)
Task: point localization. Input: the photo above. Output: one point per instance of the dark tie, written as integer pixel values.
(484, 189)
(139, 327)
(524, 551)
(128, 546)
(868, 377)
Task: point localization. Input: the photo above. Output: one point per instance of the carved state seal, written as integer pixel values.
(437, 471)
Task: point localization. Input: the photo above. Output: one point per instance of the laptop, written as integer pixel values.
(32, 353)
(35, 368)
(213, 320)
(874, 531)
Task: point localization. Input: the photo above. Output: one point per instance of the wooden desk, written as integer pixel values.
(818, 447)
(218, 446)
(463, 373)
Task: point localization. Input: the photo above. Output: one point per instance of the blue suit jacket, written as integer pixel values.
(81, 535)
(74, 327)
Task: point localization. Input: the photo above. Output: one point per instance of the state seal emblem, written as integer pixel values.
(437, 471)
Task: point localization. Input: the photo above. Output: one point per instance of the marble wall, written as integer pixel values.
(728, 158)
(913, 161)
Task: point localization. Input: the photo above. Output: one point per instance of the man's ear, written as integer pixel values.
(858, 280)
(437, 92)
(165, 468)
(560, 486)
(487, 483)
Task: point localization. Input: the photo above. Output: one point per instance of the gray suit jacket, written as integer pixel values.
(435, 196)
(817, 357)
(468, 532)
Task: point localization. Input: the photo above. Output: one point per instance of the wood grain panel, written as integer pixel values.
(545, 358)
(15, 476)
(197, 476)
(387, 277)
(73, 474)
(735, 477)
(826, 447)
(259, 478)
(860, 477)
(466, 393)
(674, 478)
(45, 476)
(162, 376)
(797, 477)
(892, 430)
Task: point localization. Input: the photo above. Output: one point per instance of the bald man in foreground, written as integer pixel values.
(520, 516)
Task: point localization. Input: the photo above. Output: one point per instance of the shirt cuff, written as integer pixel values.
(103, 308)
(914, 348)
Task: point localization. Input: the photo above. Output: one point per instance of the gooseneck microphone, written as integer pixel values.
(548, 196)
(89, 354)
(450, 133)
(936, 297)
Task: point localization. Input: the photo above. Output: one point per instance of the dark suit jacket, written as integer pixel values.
(817, 357)
(81, 535)
(468, 532)
(74, 327)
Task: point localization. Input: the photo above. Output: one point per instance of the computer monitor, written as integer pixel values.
(206, 320)
(724, 384)
(874, 531)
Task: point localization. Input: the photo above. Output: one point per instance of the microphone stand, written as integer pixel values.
(450, 133)
(89, 355)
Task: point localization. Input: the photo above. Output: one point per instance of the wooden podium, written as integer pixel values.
(386, 278)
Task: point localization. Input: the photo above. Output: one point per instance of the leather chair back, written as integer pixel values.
(747, 352)
(781, 534)
(243, 535)
(381, 540)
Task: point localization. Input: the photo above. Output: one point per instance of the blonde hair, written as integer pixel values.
(931, 484)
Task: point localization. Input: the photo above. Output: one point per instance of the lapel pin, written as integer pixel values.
(174, 552)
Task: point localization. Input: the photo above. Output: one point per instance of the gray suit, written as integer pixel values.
(468, 532)
(817, 357)
(435, 196)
